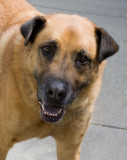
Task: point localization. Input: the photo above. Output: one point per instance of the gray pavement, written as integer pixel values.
(107, 135)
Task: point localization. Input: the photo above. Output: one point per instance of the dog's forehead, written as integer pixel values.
(69, 19)
(72, 32)
(74, 22)
(75, 30)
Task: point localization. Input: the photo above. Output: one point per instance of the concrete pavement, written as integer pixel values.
(107, 135)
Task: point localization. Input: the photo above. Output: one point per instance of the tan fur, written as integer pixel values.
(19, 109)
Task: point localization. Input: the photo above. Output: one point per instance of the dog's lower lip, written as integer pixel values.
(51, 113)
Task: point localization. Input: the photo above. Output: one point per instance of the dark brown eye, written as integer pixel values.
(46, 50)
(83, 60)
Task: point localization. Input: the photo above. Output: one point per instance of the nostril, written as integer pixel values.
(50, 92)
(56, 94)
(61, 94)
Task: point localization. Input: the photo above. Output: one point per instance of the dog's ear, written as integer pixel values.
(106, 45)
(30, 29)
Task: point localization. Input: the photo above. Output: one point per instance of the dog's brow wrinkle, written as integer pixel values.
(63, 63)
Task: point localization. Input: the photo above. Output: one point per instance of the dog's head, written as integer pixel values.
(65, 52)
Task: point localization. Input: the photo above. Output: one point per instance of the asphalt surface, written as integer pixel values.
(107, 135)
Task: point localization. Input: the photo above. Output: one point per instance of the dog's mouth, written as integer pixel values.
(51, 113)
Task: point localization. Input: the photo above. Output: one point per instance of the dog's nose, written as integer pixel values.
(56, 90)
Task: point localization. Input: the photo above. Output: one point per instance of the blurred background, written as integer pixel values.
(107, 135)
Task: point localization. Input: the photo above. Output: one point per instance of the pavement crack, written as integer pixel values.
(108, 126)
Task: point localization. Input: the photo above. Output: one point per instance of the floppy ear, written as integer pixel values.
(30, 29)
(106, 44)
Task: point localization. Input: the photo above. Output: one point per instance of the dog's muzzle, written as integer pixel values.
(54, 95)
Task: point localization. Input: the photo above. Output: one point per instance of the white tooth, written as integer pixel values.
(39, 102)
(60, 111)
(44, 112)
(55, 114)
(43, 108)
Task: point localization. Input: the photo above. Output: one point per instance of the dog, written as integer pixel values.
(51, 70)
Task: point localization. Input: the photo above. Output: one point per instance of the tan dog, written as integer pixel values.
(56, 60)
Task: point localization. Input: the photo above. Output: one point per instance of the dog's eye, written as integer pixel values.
(83, 60)
(46, 50)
